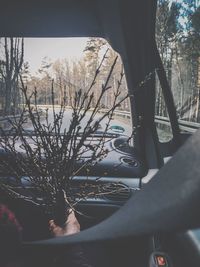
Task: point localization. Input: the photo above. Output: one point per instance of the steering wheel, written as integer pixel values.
(168, 203)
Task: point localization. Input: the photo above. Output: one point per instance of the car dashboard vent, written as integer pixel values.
(117, 192)
(102, 191)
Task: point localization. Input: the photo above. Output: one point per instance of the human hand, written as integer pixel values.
(70, 227)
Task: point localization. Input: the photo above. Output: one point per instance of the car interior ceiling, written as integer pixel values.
(168, 205)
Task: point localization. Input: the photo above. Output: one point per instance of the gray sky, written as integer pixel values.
(35, 49)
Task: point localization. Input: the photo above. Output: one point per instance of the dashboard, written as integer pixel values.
(110, 184)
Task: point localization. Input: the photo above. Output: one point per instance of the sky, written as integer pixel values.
(35, 49)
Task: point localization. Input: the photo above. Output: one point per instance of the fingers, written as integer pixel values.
(52, 225)
(71, 217)
(71, 226)
(54, 229)
(70, 211)
(72, 223)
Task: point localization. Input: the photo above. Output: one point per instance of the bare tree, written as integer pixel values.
(10, 67)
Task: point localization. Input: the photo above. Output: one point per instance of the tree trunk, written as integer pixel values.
(7, 110)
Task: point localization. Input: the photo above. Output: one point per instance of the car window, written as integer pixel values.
(177, 36)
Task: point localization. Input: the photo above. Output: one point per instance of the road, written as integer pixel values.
(68, 115)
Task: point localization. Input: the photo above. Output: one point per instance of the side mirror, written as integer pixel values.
(117, 128)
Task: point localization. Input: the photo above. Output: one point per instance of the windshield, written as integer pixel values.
(67, 65)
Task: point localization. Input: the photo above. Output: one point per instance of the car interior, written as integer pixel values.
(156, 215)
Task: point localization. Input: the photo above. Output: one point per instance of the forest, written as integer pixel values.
(178, 41)
(67, 76)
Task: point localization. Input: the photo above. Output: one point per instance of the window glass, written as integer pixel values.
(162, 118)
(71, 63)
(178, 41)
